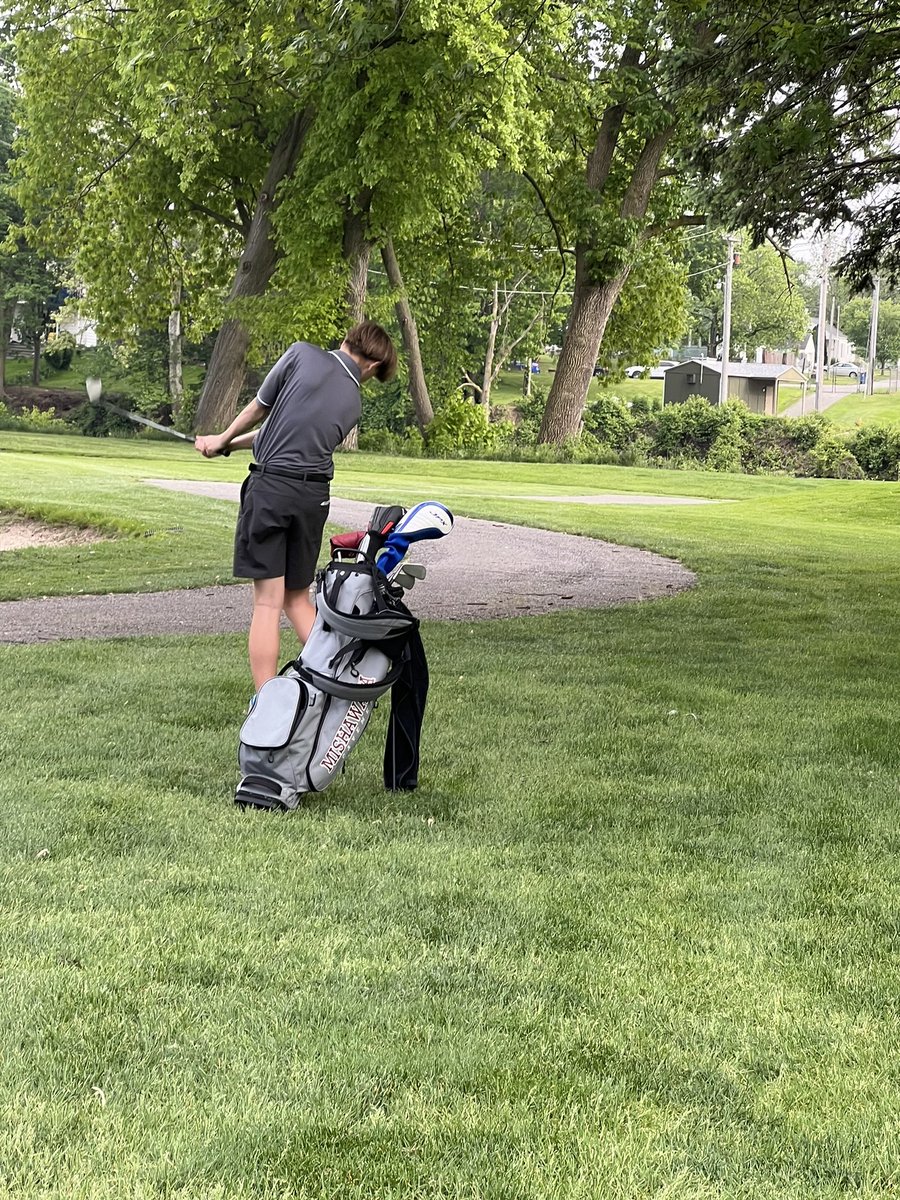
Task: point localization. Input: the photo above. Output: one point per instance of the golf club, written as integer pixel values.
(424, 522)
(94, 388)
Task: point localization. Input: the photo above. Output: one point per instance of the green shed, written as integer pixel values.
(755, 383)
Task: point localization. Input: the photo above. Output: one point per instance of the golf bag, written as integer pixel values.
(303, 724)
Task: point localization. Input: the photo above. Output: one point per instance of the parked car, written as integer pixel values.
(659, 371)
(851, 370)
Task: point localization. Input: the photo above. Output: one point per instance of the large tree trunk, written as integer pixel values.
(591, 307)
(36, 359)
(225, 374)
(594, 297)
(357, 251)
(418, 387)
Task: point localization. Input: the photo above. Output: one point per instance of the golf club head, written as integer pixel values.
(428, 519)
(403, 580)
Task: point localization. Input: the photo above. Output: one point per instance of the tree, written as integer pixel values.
(29, 284)
(613, 120)
(768, 308)
(856, 318)
(292, 142)
(801, 107)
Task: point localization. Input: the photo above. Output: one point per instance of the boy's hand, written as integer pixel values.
(210, 445)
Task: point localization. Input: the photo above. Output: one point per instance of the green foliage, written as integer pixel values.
(32, 420)
(801, 106)
(608, 420)
(877, 450)
(94, 420)
(856, 318)
(60, 350)
(691, 426)
(832, 459)
(768, 308)
(459, 428)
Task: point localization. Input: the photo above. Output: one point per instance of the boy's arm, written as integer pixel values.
(243, 441)
(211, 444)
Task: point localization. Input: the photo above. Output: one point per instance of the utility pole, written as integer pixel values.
(820, 332)
(726, 323)
(831, 323)
(873, 338)
(837, 330)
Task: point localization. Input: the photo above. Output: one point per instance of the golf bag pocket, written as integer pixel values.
(274, 713)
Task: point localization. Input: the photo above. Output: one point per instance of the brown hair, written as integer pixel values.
(370, 341)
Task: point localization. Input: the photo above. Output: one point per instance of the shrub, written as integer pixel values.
(691, 426)
(60, 350)
(877, 450)
(93, 420)
(726, 452)
(459, 428)
(378, 441)
(608, 420)
(831, 459)
(32, 420)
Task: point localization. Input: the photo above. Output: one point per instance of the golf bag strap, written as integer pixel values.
(349, 691)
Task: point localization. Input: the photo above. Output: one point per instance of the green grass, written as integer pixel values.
(881, 408)
(635, 935)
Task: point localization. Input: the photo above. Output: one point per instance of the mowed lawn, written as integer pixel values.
(634, 936)
(880, 408)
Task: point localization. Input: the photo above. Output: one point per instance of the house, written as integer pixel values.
(755, 383)
(838, 347)
(83, 329)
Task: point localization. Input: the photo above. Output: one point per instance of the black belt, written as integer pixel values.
(304, 476)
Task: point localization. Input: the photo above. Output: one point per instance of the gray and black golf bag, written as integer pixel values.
(303, 724)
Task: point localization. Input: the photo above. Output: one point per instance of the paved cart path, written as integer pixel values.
(483, 570)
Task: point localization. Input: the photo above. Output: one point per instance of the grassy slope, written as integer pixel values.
(883, 408)
(634, 936)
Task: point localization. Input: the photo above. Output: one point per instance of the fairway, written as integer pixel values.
(634, 936)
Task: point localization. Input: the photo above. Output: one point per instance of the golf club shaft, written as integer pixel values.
(132, 416)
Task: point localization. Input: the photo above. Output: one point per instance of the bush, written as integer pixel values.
(93, 420)
(688, 427)
(877, 450)
(608, 420)
(32, 420)
(832, 460)
(459, 428)
(60, 350)
(726, 451)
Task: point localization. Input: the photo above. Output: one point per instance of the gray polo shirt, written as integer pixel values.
(313, 401)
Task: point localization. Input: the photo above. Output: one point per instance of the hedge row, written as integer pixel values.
(694, 435)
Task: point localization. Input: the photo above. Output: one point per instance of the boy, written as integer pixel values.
(309, 402)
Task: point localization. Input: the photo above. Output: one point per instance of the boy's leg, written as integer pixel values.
(300, 610)
(265, 629)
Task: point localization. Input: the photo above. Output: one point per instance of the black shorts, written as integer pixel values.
(279, 529)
